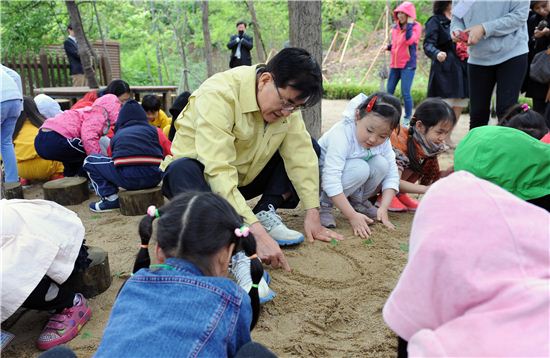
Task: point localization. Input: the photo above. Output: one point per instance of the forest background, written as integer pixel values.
(155, 36)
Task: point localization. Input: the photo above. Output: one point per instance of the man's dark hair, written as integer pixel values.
(241, 22)
(295, 67)
(69, 27)
(150, 103)
(439, 7)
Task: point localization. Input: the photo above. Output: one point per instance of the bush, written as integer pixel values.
(348, 91)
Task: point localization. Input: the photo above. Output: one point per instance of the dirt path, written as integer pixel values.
(329, 305)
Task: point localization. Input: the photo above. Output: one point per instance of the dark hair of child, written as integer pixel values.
(150, 103)
(117, 87)
(178, 106)
(241, 22)
(384, 105)
(194, 227)
(430, 112)
(30, 112)
(295, 67)
(537, 2)
(526, 120)
(439, 7)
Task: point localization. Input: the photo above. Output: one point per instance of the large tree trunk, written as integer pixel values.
(207, 42)
(305, 32)
(260, 48)
(109, 69)
(84, 49)
(157, 49)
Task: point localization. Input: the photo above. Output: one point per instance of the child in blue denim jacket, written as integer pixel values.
(185, 305)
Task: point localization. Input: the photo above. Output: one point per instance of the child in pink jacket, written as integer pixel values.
(72, 135)
(405, 34)
(477, 281)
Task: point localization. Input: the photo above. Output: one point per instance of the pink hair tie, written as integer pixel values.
(242, 231)
(153, 212)
(525, 107)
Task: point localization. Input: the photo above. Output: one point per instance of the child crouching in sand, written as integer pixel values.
(416, 150)
(356, 158)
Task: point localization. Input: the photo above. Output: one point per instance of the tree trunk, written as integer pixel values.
(207, 42)
(305, 32)
(84, 49)
(157, 49)
(260, 48)
(108, 75)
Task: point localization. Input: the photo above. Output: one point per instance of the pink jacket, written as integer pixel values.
(88, 123)
(401, 50)
(477, 282)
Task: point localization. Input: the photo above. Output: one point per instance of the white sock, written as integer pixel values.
(76, 300)
(112, 197)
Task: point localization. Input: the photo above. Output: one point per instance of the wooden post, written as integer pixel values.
(136, 202)
(12, 191)
(29, 73)
(330, 47)
(372, 64)
(67, 191)
(346, 43)
(44, 69)
(96, 278)
(37, 81)
(371, 35)
(21, 72)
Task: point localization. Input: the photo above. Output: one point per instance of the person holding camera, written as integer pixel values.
(240, 46)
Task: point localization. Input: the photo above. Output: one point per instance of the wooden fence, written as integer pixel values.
(51, 67)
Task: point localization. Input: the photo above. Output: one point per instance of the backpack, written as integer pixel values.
(540, 67)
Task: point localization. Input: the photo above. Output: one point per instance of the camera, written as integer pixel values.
(542, 25)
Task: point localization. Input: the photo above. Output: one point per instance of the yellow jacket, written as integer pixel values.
(222, 128)
(162, 121)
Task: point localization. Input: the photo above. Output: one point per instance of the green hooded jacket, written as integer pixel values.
(508, 158)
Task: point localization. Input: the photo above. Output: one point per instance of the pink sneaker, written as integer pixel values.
(409, 202)
(64, 326)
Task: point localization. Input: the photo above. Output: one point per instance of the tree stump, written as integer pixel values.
(96, 278)
(67, 191)
(12, 191)
(136, 202)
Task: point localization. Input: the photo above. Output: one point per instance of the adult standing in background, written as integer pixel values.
(76, 69)
(496, 33)
(11, 104)
(449, 69)
(240, 46)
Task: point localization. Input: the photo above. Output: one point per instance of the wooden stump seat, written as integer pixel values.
(12, 191)
(96, 278)
(67, 191)
(136, 202)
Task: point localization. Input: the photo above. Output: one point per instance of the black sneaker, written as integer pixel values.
(104, 205)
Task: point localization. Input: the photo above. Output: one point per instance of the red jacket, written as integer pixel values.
(403, 49)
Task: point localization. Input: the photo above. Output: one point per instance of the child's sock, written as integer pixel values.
(76, 300)
(112, 197)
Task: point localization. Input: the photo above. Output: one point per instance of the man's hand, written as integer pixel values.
(238, 39)
(267, 249)
(315, 231)
(441, 56)
(475, 33)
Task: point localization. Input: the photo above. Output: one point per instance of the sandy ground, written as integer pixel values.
(329, 305)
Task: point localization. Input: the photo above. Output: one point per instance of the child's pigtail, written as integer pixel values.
(145, 232)
(411, 148)
(248, 245)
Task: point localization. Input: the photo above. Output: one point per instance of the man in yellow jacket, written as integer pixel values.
(242, 135)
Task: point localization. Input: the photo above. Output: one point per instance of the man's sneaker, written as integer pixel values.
(327, 219)
(365, 208)
(240, 268)
(64, 326)
(395, 205)
(409, 202)
(278, 231)
(104, 205)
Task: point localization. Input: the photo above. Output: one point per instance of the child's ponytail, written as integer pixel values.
(145, 232)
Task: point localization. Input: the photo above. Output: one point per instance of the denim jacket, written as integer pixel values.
(177, 312)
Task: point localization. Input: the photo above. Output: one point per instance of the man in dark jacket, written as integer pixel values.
(137, 149)
(71, 49)
(240, 46)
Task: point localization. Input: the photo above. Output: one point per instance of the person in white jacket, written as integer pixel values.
(42, 244)
(357, 161)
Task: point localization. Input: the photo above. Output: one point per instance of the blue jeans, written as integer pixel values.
(10, 112)
(406, 75)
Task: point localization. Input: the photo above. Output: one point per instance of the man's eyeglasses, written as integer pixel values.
(285, 104)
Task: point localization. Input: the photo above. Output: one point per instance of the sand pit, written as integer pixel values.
(329, 305)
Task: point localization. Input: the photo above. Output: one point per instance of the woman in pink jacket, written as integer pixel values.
(72, 135)
(405, 34)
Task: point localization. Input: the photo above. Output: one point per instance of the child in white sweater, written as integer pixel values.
(357, 161)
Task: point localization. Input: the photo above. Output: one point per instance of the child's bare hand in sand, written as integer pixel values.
(360, 224)
(382, 216)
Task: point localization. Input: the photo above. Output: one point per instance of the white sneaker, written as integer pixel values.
(240, 269)
(277, 230)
